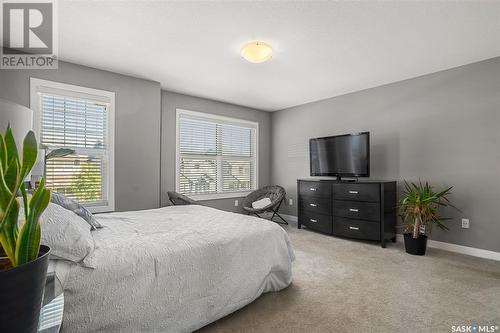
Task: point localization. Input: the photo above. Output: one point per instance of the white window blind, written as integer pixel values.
(71, 120)
(215, 155)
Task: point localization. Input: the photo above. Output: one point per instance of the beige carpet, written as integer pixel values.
(342, 285)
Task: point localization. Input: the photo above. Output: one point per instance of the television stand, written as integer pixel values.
(361, 210)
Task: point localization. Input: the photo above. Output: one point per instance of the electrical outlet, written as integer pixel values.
(236, 203)
(465, 223)
(290, 202)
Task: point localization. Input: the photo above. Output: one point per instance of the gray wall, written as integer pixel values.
(443, 128)
(171, 101)
(137, 125)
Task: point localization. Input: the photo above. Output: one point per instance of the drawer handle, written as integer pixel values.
(313, 205)
(353, 192)
(313, 220)
(354, 228)
(312, 189)
(353, 210)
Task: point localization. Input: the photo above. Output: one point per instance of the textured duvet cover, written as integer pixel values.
(173, 269)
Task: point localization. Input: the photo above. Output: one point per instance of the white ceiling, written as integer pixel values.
(322, 49)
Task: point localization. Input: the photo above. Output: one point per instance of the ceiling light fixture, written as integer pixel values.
(257, 52)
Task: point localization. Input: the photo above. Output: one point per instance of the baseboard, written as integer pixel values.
(290, 218)
(471, 251)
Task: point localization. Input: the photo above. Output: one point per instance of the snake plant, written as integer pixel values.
(20, 246)
(420, 205)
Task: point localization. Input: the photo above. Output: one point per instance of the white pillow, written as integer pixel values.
(67, 234)
(261, 203)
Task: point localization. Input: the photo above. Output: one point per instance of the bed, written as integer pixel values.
(172, 269)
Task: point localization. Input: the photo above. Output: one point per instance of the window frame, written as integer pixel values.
(73, 91)
(221, 120)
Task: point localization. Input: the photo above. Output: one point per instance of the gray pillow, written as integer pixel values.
(76, 208)
(67, 234)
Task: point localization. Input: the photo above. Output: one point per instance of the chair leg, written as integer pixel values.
(275, 213)
(281, 217)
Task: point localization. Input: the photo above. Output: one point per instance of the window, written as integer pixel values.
(81, 119)
(216, 156)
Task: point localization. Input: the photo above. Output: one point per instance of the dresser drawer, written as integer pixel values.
(316, 205)
(317, 189)
(357, 210)
(317, 222)
(356, 228)
(357, 192)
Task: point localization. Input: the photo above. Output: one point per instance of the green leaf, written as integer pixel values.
(5, 196)
(28, 244)
(34, 216)
(11, 175)
(7, 249)
(3, 153)
(29, 235)
(9, 232)
(60, 152)
(30, 152)
(25, 201)
(10, 145)
(35, 245)
(444, 193)
(22, 249)
(36, 195)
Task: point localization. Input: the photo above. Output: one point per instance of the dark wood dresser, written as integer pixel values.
(362, 209)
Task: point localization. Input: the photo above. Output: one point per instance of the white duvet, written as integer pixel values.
(173, 269)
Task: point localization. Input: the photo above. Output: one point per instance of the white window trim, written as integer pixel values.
(224, 119)
(38, 85)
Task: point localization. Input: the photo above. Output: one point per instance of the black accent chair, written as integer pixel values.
(178, 199)
(274, 192)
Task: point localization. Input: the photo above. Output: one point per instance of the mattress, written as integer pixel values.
(173, 269)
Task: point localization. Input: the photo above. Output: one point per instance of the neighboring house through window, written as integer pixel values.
(216, 156)
(81, 119)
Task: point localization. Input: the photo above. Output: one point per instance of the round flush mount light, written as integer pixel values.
(257, 52)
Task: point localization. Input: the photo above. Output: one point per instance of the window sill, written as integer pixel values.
(99, 209)
(216, 196)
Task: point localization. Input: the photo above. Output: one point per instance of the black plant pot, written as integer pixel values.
(415, 246)
(21, 294)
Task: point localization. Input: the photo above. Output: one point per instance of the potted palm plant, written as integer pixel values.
(23, 261)
(419, 209)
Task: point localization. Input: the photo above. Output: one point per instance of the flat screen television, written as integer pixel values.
(341, 155)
